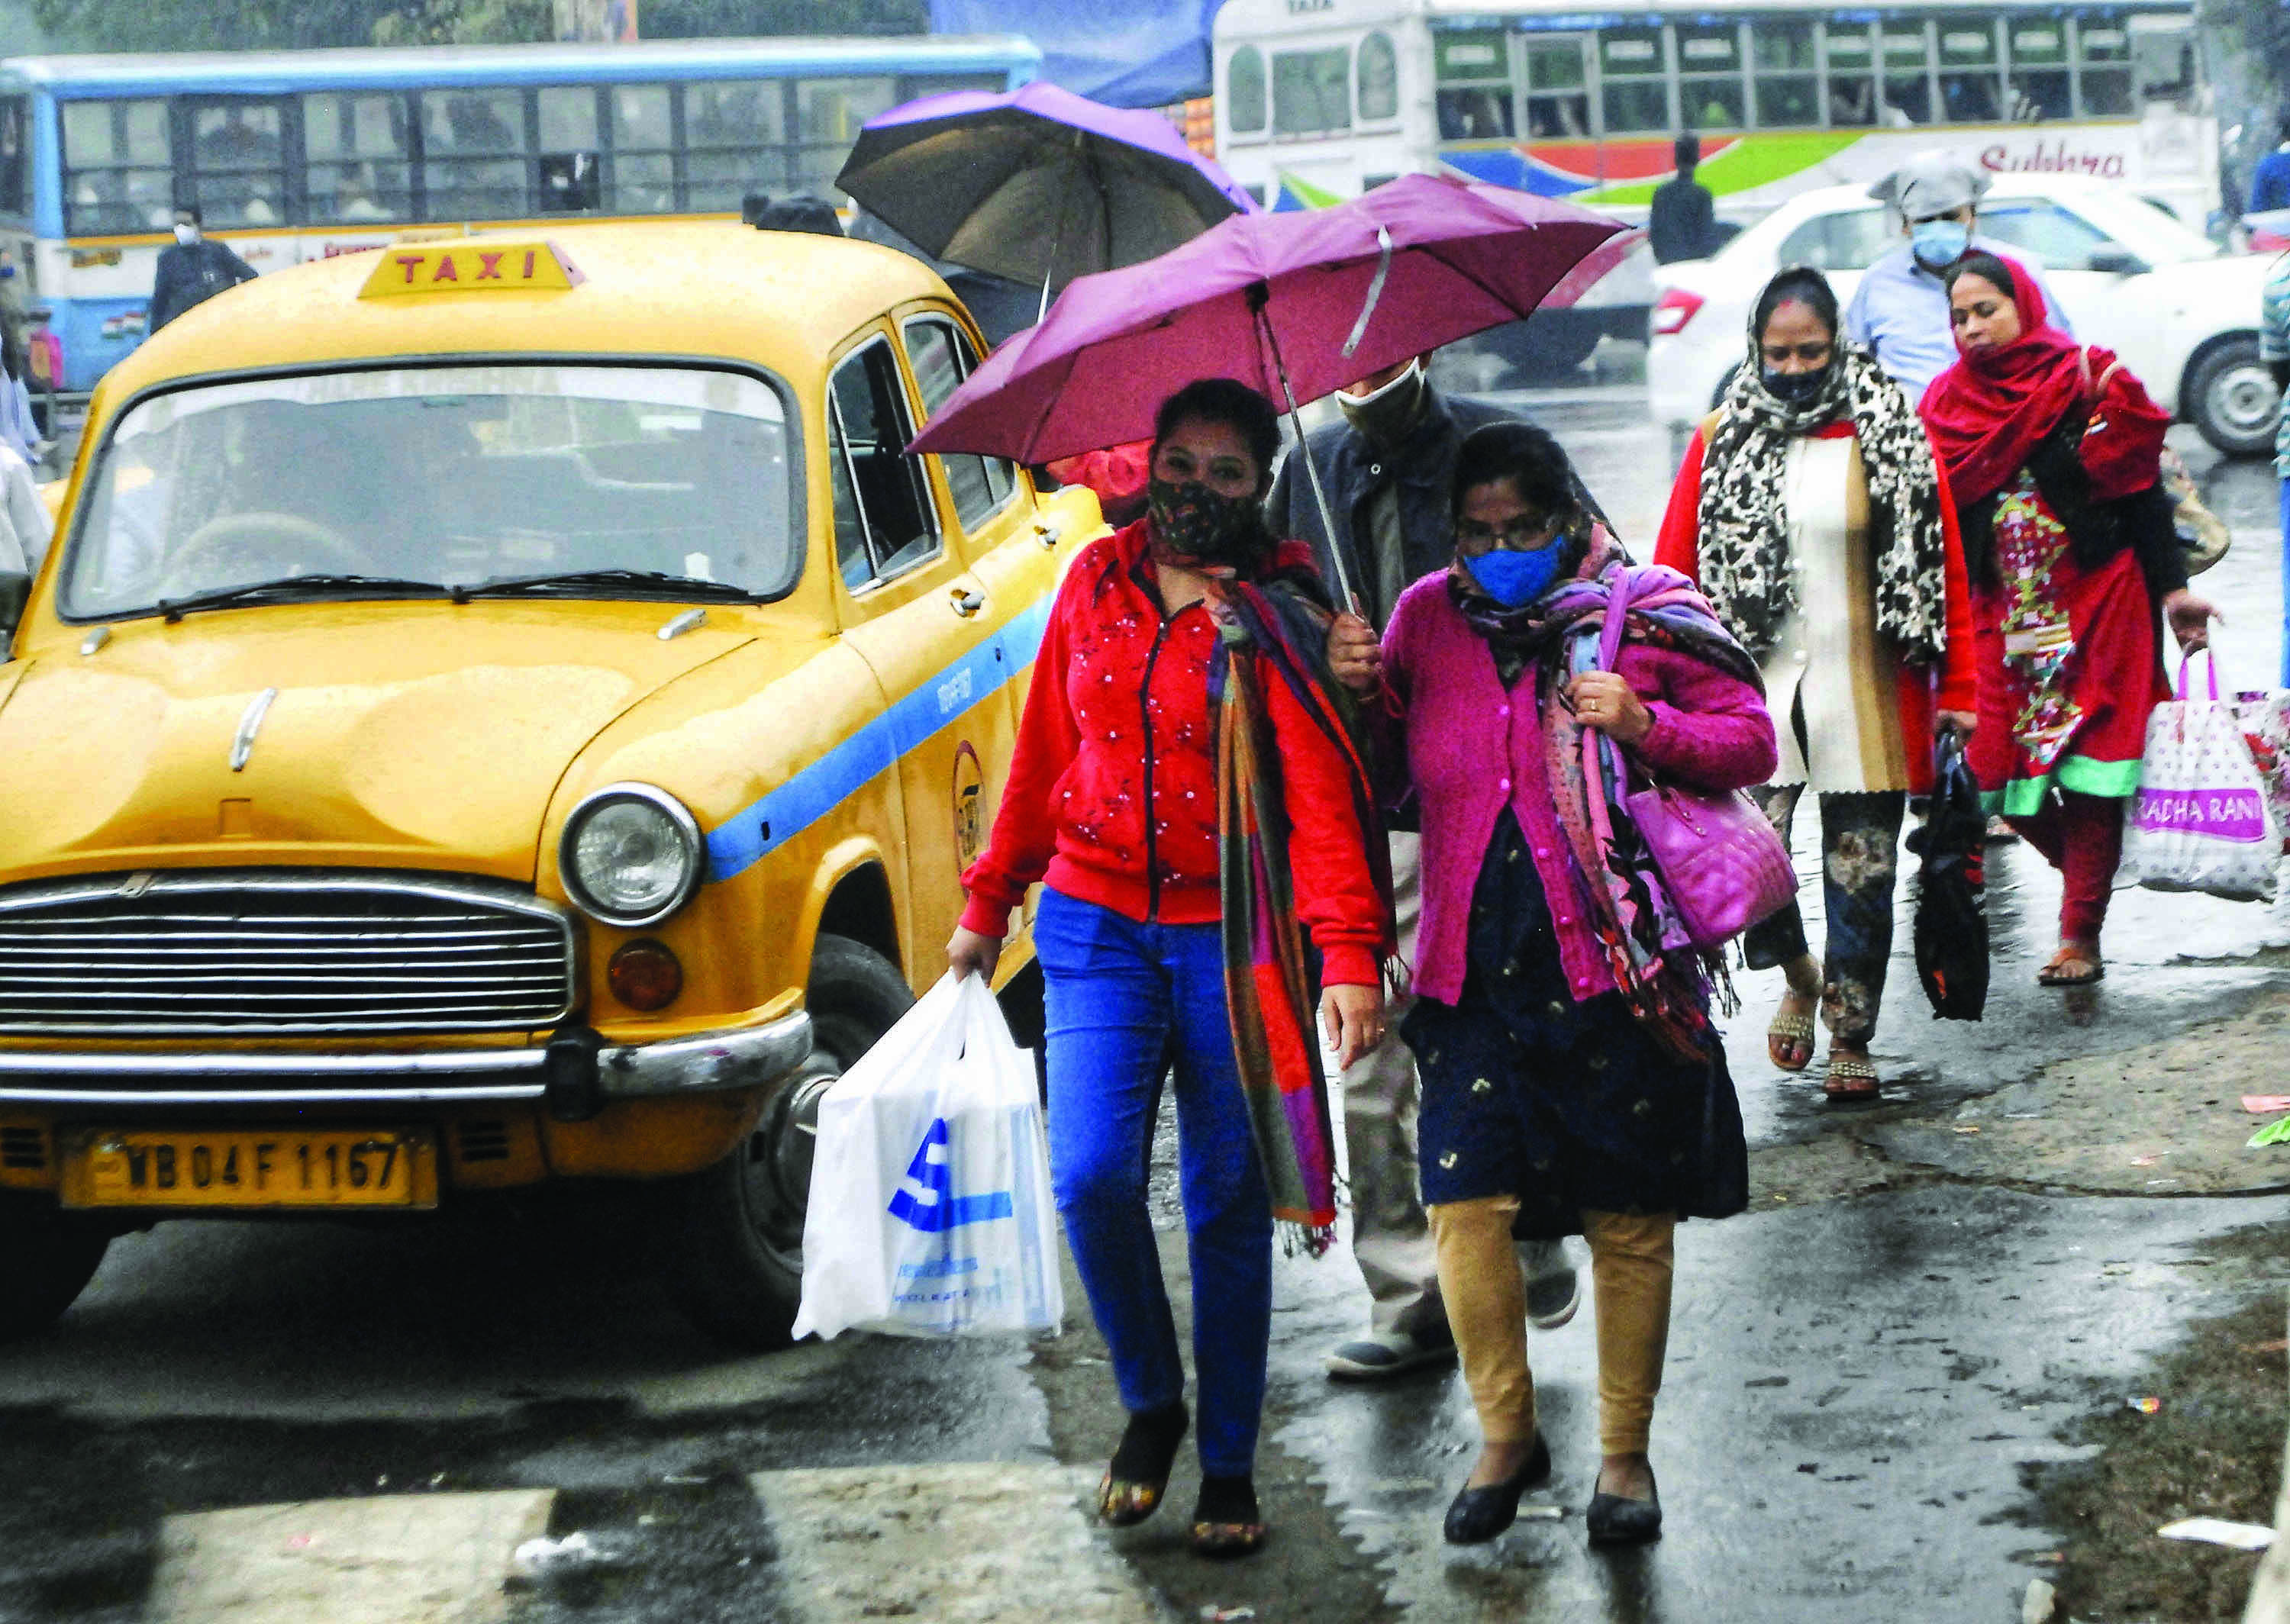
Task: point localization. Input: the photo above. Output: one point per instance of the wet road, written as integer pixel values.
(1862, 1391)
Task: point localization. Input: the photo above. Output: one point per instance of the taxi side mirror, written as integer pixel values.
(2114, 259)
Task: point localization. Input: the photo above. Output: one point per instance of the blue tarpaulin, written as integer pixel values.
(1136, 53)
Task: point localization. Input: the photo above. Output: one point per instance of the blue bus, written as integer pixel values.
(293, 155)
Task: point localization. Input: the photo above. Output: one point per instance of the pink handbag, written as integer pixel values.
(1719, 860)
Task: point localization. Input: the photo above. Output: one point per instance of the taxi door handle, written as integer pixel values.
(966, 601)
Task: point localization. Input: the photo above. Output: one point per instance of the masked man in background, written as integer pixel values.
(1899, 310)
(1386, 469)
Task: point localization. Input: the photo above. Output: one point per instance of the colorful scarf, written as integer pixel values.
(1269, 633)
(1617, 884)
(1744, 527)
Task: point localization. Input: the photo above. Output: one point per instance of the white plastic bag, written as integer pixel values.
(2202, 819)
(930, 1210)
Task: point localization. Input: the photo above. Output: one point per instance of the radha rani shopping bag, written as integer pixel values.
(930, 1210)
(2202, 819)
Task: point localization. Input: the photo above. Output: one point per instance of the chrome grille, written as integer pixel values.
(261, 953)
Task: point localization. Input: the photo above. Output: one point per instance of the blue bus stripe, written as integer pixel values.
(811, 794)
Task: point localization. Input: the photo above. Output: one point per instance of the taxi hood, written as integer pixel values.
(427, 735)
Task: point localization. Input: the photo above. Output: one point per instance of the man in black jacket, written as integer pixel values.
(1682, 221)
(191, 272)
(1386, 469)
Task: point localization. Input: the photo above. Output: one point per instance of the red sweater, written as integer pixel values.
(1112, 793)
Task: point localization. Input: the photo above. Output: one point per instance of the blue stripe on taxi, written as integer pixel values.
(764, 827)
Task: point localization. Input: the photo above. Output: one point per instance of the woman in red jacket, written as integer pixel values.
(1168, 690)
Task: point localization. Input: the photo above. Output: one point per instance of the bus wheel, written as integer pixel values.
(2231, 399)
(734, 1244)
(46, 1258)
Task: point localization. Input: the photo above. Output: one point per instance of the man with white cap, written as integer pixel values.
(1899, 310)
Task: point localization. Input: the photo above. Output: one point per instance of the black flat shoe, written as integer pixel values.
(1479, 1515)
(1139, 1474)
(1613, 1520)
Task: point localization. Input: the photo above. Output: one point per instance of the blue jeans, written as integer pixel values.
(1118, 992)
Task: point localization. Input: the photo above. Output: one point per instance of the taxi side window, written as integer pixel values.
(883, 519)
(942, 359)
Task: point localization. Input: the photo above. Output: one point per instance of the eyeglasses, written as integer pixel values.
(1523, 534)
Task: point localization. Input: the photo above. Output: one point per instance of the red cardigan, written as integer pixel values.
(1922, 690)
(1112, 792)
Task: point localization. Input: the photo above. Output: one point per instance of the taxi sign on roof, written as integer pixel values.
(467, 266)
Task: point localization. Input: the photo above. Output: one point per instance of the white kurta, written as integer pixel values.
(1829, 675)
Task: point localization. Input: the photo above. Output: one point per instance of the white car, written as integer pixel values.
(2182, 314)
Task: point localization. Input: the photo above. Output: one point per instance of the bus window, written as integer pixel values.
(2040, 86)
(2163, 61)
(1710, 77)
(828, 113)
(1788, 80)
(2106, 48)
(1971, 90)
(1852, 75)
(1312, 92)
(1633, 96)
(1908, 79)
(1244, 90)
(474, 147)
(119, 167)
(1379, 79)
(15, 180)
(357, 165)
(572, 166)
(1473, 68)
(237, 167)
(642, 161)
(734, 140)
(1558, 88)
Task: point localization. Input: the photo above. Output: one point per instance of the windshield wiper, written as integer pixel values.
(287, 588)
(649, 583)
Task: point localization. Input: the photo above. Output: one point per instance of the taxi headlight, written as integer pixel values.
(631, 854)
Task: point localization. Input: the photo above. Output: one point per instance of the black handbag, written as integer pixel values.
(1951, 928)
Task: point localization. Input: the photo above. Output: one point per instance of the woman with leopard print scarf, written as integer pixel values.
(1812, 513)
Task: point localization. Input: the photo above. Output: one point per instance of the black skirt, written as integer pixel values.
(1568, 1106)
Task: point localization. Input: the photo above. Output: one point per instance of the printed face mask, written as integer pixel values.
(1938, 244)
(1795, 389)
(1511, 578)
(1193, 524)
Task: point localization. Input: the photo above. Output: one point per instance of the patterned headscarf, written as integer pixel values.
(1744, 539)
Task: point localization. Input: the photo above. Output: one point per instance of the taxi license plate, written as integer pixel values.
(239, 1168)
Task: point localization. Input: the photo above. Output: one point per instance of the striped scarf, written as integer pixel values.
(1270, 634)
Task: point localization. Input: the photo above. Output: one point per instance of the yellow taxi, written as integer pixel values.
(502, 712)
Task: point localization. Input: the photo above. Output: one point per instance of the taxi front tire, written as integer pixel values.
(46, 1258)
(734, 1231)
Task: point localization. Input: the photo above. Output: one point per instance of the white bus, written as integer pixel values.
(1319, 99)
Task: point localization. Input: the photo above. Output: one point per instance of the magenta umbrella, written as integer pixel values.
(1295, 305)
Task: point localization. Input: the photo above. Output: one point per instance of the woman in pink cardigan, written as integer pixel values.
(1571, 1081)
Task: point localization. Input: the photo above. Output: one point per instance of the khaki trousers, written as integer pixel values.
(1632, 1261)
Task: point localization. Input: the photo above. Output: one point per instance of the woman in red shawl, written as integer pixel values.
(2051, 448)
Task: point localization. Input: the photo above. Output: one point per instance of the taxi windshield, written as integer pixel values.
(581, 481)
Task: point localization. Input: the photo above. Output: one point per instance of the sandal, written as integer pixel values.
(1226, 1522)
(1790, 1034)
(1138, 1476)
(1852, 1079)
(2076, 964)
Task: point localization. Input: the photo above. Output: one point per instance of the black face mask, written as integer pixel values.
(1795, 389)
(1194, 526)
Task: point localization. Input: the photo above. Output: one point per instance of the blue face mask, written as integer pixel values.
(1512, 578)
(1938, 244)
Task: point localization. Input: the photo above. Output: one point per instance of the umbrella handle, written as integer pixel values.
(1259, 297)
